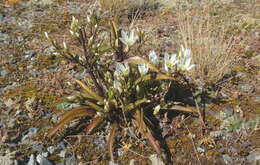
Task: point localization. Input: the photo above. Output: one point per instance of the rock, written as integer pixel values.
(200, 150)
(71, 161)
(112, 163)
(62, 153)
(257, 99)
(3, 73)
(227, 159)
(61, 145)
(100, 142)
(51, 149)
(155, 159)
(254, 156)
(31, 160)
(246, 88)
(7, 159)
(37, 147)
(2, 16)
(30, 133)
(216, 134)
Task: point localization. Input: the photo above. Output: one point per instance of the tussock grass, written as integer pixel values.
(206, 33)
(131, 8)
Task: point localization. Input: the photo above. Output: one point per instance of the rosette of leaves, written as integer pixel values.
(119, 90)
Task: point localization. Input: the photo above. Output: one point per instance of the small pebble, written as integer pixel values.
(254, 156)
(216, 134)
(227, 159)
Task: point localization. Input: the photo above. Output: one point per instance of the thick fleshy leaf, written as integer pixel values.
(94, 124)
(158, 76)
(183, 109)
(95, 106)
(135, 104)
(139, 121)
(111, 140)
(153, 141)
(71, 115)
(91, 92)
(114, 29)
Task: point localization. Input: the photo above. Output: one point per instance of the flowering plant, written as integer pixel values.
(122, 91)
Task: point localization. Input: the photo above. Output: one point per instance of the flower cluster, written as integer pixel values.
(172, 62)
(74, 27)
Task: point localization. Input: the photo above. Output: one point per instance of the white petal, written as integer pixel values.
(190, 67)
(123, 34)
(153, 58)
(132, 34)
(182, 48)
(143, 68)
(166, 67)
(173, 59)
(166, 57)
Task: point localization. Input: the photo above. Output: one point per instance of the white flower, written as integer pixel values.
(169, 61)
(47, 35)
(184, 63)
(156, 109)
(143, 68)
(117, 85)
(153, 58)
(74, 23)
(121, 69)
(74, 27)
(128, 39)
(65, 46)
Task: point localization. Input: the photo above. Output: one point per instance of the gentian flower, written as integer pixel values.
(128, 39)
(184, 63)
(122, 69)
(153, 58)
(169, 61)
(143, 68)
(117, 85)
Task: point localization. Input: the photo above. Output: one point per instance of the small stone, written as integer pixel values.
(31, 160)
(42, 160)
(246, 88)
(257, 99)
(112, 163)
(38, 148)
(31, 132)
(216, 134)
(62, 153)
(61, 145)
(156, 160)
(227, 159)
(3, 73)
(200, 150)
(254, 156)
(71, 161)
(30, 53)
(51, 149)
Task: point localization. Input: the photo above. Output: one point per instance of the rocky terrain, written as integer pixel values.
(33, 80)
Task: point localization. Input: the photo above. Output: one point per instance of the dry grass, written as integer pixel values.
(130, 8)
(205, 32)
